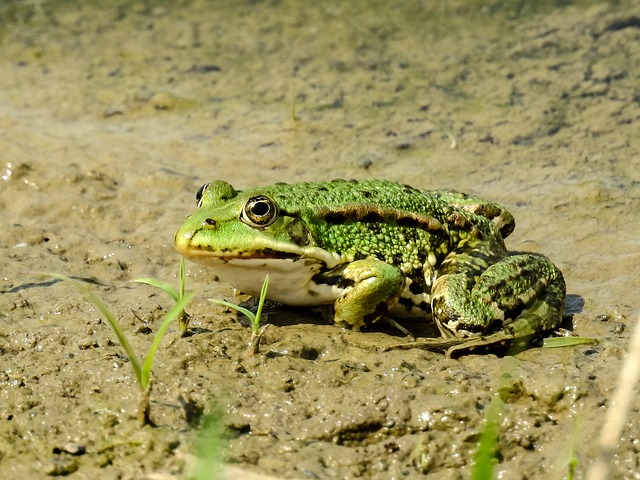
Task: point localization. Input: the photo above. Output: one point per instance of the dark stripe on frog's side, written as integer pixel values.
(503, 219)
(371, 214)
(473, 260)
(459, 221)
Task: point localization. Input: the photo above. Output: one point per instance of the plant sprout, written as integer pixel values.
(183, 317)
(209, 448)
(142, 371)
(256, 333)
(484, 458)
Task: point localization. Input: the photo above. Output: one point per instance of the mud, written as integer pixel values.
(112, 117)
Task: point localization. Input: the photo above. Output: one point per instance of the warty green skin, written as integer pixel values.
(373, 247)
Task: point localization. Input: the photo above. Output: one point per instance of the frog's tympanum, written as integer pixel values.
(376, 248)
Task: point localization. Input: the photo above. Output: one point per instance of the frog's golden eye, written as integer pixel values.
(259, 211)
(199, 194)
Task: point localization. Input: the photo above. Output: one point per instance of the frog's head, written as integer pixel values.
(236, 225)
(246, 234)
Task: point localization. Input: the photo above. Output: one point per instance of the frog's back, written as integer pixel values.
(391, 198)
(336, 193)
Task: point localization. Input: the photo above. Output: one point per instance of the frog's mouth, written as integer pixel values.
(187, 246)
(307, 256)
(197, 248)
(207, 255)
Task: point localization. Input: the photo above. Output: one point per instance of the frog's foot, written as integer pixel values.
(515, 298)
(373, 286)
(440, 345)
(500, 343)
(515, 337)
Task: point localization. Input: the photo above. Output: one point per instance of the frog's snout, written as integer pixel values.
(182, 239)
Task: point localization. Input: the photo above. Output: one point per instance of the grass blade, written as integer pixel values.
(617, 416)
(182, 277)
(209, 463)
(124, 343)
(263, 294)
(558, 342)
(242, 310)
(165, 287)
(254, 317)
(254, 343)
(168, 318)
(484, 457)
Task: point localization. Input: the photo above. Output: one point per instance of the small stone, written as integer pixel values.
(204, 69)
(72, 448)
(619, 327)
(143, 329)
(163, 101)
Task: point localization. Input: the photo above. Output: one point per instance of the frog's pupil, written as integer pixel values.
(260, 209)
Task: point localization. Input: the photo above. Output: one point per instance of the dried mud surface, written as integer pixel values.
(110, 118)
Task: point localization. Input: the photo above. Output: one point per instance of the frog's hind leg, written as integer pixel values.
(515, 297)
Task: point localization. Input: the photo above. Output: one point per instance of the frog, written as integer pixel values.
(373, 249)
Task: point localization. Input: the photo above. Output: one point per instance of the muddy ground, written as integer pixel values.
(112, 117)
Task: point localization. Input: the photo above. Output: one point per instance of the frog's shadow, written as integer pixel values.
(574, 304)
(285, 315)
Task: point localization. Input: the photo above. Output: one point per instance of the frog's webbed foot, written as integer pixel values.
(440, 345)
(499, 343)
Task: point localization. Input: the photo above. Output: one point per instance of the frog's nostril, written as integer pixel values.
(209, 222)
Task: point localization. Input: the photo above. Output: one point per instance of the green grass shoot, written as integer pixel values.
(571, 461)
(209, 446)
(558, 342)
(176, 295)
(253, 317)
(142, 371)
(485, 455)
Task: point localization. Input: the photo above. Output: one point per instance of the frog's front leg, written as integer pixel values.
(517, 296)
(372, 287)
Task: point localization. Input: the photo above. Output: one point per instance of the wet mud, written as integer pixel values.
(112, 117)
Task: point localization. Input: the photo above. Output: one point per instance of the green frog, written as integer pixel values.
(374, 249)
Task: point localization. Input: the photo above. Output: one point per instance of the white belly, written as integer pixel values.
(290, 280)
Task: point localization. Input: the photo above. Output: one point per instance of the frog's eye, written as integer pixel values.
(259, 211)
(199, 194)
